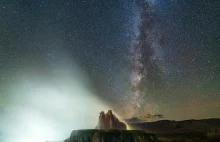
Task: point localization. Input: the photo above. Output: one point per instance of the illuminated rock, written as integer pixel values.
(110, 121)
(110, 129)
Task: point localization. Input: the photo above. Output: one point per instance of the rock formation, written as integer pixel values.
(110, 130)
(94, 135)
(110, 121)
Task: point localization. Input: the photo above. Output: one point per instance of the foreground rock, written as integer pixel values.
(94, 135)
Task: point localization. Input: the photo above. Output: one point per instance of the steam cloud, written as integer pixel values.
(46, 104)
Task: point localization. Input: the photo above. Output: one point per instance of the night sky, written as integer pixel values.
(136, 57)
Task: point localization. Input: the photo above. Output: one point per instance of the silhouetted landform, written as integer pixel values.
(145, 118)
(133, 120)
(110, 121)
(206, 130)
(94, 135)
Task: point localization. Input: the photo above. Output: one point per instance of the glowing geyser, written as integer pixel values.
(48, 106)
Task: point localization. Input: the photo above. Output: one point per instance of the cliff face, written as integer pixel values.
(110, 121)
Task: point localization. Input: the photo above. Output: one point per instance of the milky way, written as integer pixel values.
(143, 51)
(137, 57)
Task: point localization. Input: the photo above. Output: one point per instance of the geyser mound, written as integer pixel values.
(110, 121)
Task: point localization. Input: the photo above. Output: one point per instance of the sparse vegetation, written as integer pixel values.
(213, 134)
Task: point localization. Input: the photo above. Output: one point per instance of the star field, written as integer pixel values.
(181, 66)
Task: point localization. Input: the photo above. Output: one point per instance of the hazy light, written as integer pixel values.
(48, 106)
